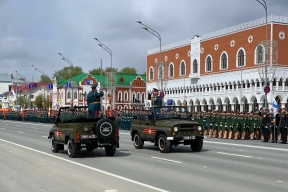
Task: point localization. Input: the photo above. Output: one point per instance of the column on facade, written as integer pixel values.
(250, 107)
(283, 85)
(224, 107)
(233, 107)
(241, 106)
(277, 85)
(216, 107)
(195, 108)
(209, 107)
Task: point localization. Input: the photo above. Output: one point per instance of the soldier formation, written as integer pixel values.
(239, 125)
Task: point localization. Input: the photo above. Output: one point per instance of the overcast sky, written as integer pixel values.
(34, 31)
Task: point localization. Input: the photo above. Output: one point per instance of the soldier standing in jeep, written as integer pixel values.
(93, 101)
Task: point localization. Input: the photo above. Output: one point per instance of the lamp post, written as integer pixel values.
(42, 72)
(156, 34)
(112, 85)
(266, 48)
(65, 59)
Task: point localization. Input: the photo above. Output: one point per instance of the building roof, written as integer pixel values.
(125, 80)
(25, 87)
(222, 32)
(5, 77)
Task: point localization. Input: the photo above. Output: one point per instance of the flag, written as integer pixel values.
(275, 106)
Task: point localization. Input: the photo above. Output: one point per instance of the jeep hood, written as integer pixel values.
(174, 122)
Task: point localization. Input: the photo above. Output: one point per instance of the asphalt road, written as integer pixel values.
(27, 164)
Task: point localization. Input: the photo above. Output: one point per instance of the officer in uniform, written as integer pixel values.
(156, 101)
(265, 124)
(283, 125)
(93, 101)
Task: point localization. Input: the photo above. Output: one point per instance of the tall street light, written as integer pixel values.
(266, 48)
(42, 72)
(156, 34)
(20, 75)
(110, 53)
(65, 59)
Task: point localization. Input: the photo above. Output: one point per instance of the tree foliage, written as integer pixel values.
(128, 70)
(45, 79)
(41, 102)
(96, 71)
(23, 102)
(0, 105)
(68, 72)
(109, 69)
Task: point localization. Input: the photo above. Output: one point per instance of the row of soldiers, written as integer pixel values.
(251, 125)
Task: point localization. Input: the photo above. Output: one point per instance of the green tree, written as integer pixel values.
(41, 102)
(23, 102)
(0, 105)
(45, 79)
(109, 69)
(68, 72)
(96, 71)
(128, 70)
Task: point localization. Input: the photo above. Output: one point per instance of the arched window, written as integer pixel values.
(125, 107)
(69, 95)
(126, 96)
(151, 73)
(224, 61)
(259, 55)
(195, 66)
(182, 68)
(119, 97)
(133, 97)
(138, 98)
(171, 70)
(80, 95)
(75, 95)
(240, 58)
(160, 72)
(208, 64)
(143, 97)
(119, 107)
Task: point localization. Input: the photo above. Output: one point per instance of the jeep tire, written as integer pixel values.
(71, 149)
(197, 145)
(105, 128)
(110, 151)
(54, 145)
(164, 145)
(138, 143)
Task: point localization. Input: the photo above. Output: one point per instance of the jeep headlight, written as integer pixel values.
(199, 128)
(175, 129)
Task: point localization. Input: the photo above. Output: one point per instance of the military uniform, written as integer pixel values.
(156, 102)
(93, 101)
(283, 126)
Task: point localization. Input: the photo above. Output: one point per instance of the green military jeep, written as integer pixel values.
(76, 130)
(166, 127)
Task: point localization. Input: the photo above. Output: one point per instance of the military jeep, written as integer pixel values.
(166, 127)
(76, 130)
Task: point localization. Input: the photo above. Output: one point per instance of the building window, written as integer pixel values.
(143, 97)
(224, 61)
(119, 97)
(151, 73)
(85, 95)
(160, 72)
(259, 55)
(75, 95)
(182, 68)
(80, 95)
(119, 107)
(125, 107)
(126, 96)
(195, 66)
(138, 98)
(68, 95)
(240, 58)
(133, 97)
(208, 64)
(171, 70)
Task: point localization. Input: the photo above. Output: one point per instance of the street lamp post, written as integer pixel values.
(156, 34)
(65, 59)
(42, 72)
(112, 85)
(266, 48)
(20, 75)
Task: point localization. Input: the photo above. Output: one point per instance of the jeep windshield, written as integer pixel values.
(170, 112)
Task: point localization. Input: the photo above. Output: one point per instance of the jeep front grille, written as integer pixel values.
(186, 129)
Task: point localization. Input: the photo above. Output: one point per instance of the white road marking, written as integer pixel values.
(166, 160)
(205, 167)
(34, 127)
(249, 146)
(49, 125)
(20, 132)
(44, 136)
(88, 167)
(279, 181)
(111, 190)
(235, 155)
(3, 128)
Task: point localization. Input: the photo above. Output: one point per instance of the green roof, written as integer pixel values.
(127, 79)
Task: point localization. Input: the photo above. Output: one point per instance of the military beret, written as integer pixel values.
(94, 86)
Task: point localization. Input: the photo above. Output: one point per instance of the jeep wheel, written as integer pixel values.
(138, 143)
(71, 149)
(163, 144)
(197, 145)
(105, 128)
(110, 151)
(54, 145)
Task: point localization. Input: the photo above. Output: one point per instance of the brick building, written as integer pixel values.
(225, 69)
